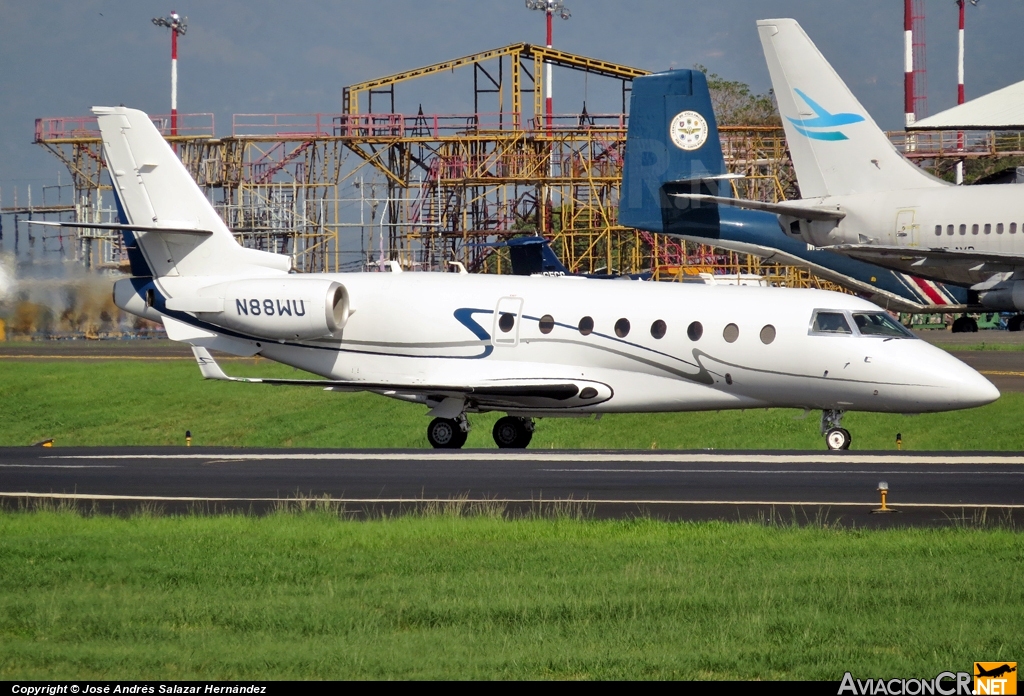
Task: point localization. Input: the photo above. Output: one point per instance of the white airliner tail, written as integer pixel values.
(836, 146)
(169, 227)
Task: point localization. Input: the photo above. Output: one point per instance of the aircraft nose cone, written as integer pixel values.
(977, 391)
(970, 387)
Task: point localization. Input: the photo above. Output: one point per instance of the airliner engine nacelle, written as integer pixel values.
(291, 308)
(1006, 296)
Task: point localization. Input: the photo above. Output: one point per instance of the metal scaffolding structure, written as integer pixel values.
(362, 188)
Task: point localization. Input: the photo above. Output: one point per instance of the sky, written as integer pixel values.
(60, 57)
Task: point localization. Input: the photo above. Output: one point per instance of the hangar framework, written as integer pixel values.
(369, 185)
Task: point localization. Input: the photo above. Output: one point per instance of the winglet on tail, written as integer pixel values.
(208, 366)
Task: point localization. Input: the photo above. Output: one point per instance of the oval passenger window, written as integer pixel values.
(767, 334)
(658, 329)
(546, 324)
(622, 328)
(731, 333)
(695, 331)
(506, 322)
(586, 325)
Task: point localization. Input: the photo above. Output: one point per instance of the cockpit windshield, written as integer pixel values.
(830, 322)
(880, 324)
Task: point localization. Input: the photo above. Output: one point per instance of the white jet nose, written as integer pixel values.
(970, 388)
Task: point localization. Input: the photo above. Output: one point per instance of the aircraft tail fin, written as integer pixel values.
(154, 190)
(672, 146)
(837, 148)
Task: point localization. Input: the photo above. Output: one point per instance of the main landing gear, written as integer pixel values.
(836, 437)
(965, 324)
(510, 432)
(448, 433)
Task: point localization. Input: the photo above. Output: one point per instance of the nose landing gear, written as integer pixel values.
(448, 433)
(836, 437)
(512, 432)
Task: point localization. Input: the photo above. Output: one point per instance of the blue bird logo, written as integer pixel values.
(822, 119)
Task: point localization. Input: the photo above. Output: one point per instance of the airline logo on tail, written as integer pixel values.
(815, 127)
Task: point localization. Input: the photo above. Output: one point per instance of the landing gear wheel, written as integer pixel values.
(838, 439)
(446, 433)
(1014, 322)
(965, 324)
(512, 432)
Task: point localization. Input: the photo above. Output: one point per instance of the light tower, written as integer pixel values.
(549, 7)
(178, 25)
(960, 84)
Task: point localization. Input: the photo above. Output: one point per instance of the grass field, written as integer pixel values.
(443, 596)
(154, 403)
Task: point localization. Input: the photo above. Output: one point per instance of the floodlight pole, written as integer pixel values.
(174, 81)
(548, 104)
(961, 4)
(177, 25)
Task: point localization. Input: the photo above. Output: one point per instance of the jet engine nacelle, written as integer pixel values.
(291, 308)
(1006, 296)
(286, 309)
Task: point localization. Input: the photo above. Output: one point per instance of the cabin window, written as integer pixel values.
(963, 229)
(1013, 228)
(586, 326)
(880, 324)
(658, 329)
(988, 228)
(767, 334)
(938, 230)
(830, 323)
(546, 324)
(999, 228)
(731, 333)
(695, 331)
(949, 229)
(506, 321)
(974, 228)
(622, 328)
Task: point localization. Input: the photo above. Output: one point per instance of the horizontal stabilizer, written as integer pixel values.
(802, 212)
(130, 228)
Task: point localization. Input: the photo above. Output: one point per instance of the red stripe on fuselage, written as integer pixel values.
(929, 290)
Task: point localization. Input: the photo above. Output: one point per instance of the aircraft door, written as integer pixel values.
(907, 232)
(507, 317)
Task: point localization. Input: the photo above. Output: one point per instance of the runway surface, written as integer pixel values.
(927, 488)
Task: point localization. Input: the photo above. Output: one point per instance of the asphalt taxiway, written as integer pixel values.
(935, 488)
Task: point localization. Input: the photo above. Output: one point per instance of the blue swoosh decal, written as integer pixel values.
(820, 135)
(824, 119)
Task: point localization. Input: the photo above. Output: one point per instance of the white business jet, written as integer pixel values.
(862, 198)
(526, 346)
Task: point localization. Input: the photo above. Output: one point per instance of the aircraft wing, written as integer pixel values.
(493, 394)
(790, 209)
(965, 267)
(924, 255)
(933, 298)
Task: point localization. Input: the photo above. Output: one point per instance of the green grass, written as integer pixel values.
(143, 403)
(309, 596)
(958, 348)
